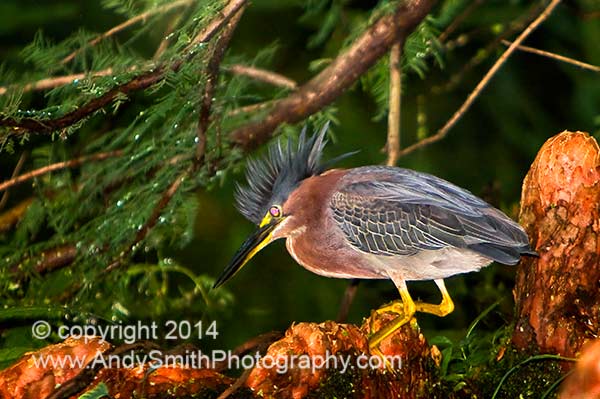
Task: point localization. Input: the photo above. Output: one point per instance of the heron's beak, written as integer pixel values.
(257, 241)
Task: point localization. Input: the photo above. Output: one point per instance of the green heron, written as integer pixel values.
(371, 222)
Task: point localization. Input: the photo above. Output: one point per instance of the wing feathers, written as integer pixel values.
(401, 212)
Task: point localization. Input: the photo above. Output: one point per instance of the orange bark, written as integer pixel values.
(557, 296)
(584, 382)
(411, 378)
(415, 367)
(26, 381)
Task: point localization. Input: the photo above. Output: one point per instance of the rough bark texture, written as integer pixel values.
(329, 340)
(285, 375)
(558, 295)
(344, 71)
(28, 380)
(25, 381)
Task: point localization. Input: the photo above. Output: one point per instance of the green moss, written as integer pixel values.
(339, 385)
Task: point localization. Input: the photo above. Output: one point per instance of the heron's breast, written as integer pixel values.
(328, 254)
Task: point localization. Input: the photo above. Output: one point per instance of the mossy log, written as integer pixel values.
(311, 360)
(366, 375)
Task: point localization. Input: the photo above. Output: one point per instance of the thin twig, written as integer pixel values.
(555, 56)
(331, 82)
(258, 344)
(46, 261)
(72, 163)
(51, 83)
(164, 43)
(144, 80)
(590, 15)
(143, 16)
(162, 203)
(490, 48)
(347, 299)
(459, 20)
(153, 219)
(33, 125)
(251, 108)
(239, 382)
(55, 258)
(393, 139)
(15, 173)
(212, 80)
(217, 24)
(482, 84)
(263, 75)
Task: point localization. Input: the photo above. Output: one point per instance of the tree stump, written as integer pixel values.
(558, 294)
(364, 376)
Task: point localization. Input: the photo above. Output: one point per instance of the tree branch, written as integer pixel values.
(555, 56)
(212, 80)
(251, 108)
(55, 258)
(482, 55)
(459, 20)
(151, 222)
(50, 83)
(263, 75)
(483, 83)
(215, 26)
(57, 166)
(324, 88)
(15, 173)
(12, 216)
(164, 43)
(393, 139)
(127, 24)
(140, 82)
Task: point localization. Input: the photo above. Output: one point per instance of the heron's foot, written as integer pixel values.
(387, 330)
(396, 307)
(444, 308)
(390, 328)
(388, 365)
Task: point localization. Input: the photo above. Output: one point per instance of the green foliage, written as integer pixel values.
(420, 47)
(461, 361)
(101, 207)
(484, 363)
(326, 14)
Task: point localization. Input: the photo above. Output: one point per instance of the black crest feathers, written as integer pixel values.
(271, 179)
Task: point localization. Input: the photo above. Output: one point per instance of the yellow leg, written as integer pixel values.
(444, 308)
(408, 308)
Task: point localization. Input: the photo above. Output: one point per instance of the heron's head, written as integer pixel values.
(271, 182)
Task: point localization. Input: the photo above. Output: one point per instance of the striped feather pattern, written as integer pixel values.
(393, 211)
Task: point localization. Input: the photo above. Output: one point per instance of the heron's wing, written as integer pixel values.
(404, 214)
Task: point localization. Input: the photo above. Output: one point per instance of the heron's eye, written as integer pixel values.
(275, 211)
